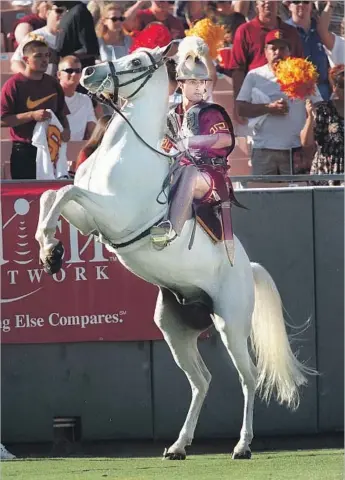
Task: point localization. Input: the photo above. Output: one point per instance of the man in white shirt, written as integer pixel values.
(277, 137)
(48, 34)
(82, 119)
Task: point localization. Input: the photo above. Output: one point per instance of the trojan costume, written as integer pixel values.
(198, 128)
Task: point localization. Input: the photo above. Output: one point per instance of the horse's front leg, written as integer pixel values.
(51, 206)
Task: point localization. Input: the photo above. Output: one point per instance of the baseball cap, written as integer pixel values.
(276, 36)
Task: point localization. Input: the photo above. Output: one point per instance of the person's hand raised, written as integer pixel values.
(310, 109)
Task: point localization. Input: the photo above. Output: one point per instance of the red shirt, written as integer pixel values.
(144, 17)
(248, 50)
(32, 19)
(21, 94)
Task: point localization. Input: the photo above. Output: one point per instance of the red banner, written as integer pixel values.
(92, 298)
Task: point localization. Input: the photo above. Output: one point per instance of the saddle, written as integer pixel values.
(213, 213)
(208, 217)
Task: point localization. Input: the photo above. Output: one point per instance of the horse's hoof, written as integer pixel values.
(242, 455)
(53, 262)
(173, 455)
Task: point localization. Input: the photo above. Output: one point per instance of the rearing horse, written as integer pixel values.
(115, 196)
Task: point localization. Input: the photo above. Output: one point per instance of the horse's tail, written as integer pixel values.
(278, 369)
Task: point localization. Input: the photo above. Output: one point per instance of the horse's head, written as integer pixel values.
(128, 75)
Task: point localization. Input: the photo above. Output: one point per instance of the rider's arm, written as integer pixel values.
(215, 132)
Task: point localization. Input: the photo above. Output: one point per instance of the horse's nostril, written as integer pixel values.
(89, 71)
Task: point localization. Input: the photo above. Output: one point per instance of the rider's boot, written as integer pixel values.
(180, 209)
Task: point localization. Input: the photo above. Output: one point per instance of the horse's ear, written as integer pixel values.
(170, 50)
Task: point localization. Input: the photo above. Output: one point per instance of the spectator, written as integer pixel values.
(81, 119)
(325, 128)
(224, 8)
(283, 11)
(231, 24)
(5, 454)
(77, 34)
(334, 44)
(48, 34)
(94, 7)
(113, 43)
(278, 136)
(95, 140)
(249, 44)
(37, 19)
(137, 19)
(301, 18)
(25, 98)
(191, 12)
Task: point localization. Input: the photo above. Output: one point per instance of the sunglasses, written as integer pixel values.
(117, 19)
(72, 70)
(297, 3)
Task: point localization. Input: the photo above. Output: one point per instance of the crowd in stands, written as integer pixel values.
(57, 39)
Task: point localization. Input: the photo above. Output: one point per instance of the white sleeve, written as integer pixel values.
(18, 54)
(338, 52)
(337, 55)
(90, 112)
(245, 94)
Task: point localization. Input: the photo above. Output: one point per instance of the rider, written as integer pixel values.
(203, 134)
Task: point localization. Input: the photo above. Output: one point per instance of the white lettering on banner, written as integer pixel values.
(100, 273)
(61, 273)
(24, 254)
(80, 273)
(12, 274)
(35, 274)
(24, 320)
(5, 325)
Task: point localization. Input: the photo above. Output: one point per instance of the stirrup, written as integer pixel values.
(162, 234)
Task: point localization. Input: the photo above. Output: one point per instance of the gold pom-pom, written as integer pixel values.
(297, 77)
(212, 34)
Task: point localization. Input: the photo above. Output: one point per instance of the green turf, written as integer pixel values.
(300, 465)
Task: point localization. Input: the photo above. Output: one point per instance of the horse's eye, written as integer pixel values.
(136, 62)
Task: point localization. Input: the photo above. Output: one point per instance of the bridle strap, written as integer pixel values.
(147, 74)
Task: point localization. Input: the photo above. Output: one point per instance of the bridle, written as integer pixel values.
(113, 79)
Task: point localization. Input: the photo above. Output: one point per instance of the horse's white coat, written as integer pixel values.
(114, 194)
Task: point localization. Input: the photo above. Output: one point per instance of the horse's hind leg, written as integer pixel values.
(182, 341)
(234, 336)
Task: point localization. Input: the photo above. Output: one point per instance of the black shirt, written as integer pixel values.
(77, 34)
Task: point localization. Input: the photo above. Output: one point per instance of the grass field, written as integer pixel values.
(299, 465)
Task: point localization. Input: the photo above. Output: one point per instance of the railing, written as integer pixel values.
(290, 179)
(243, 179)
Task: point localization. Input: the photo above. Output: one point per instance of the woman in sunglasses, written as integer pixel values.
(113, 42)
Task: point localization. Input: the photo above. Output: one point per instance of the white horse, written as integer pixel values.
(114, 196)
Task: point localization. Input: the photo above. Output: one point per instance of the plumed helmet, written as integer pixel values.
(193, 68)
(190, 63)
